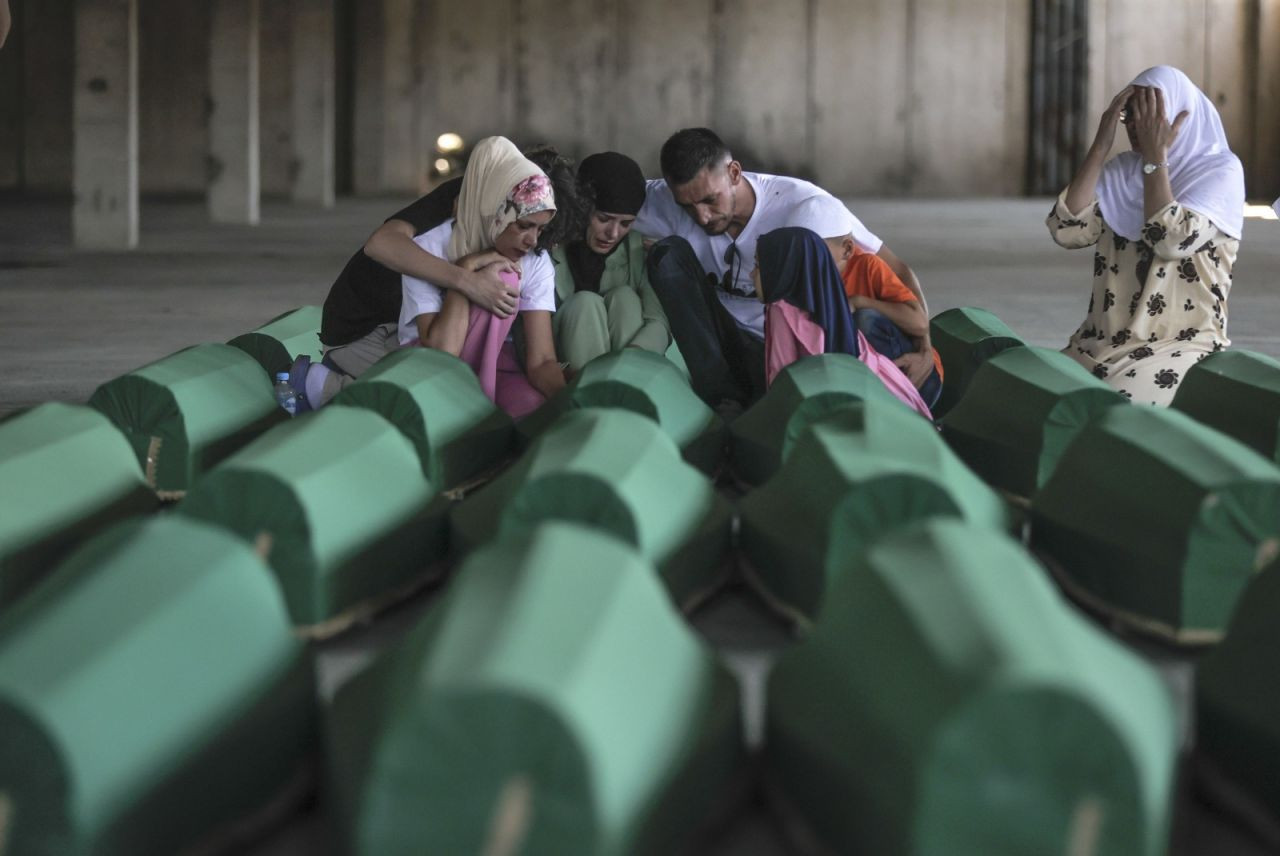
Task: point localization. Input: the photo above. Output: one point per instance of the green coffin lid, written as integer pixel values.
(802, 393)
(618, 472)
(949, 702)
(852, 478)
(644, 383)
(552, 701)
(151, 693)
(1158, 521)
(1022, 410)
(965, 338)
(65, 473)
(1238, 697)
(184, 413)
(336, 502)
(435, 400)
(1237, 392)
(275, 344)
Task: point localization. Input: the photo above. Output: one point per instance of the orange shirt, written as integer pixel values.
(868, 275)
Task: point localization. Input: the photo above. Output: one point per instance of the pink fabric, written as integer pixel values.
(493, 359)
(790, 334)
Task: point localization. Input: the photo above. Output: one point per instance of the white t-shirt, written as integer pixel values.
(776, 197)
(419, 297)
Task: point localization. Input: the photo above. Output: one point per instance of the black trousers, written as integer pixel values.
(725, 361)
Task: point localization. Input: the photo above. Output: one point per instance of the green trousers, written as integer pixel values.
(588, 324)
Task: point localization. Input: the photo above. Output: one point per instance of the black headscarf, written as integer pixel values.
(617, 186)
(796, 266)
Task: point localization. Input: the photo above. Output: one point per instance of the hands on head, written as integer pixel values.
(1141, 110)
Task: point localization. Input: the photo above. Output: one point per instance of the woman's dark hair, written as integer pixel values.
(686, 153)
(572, 209)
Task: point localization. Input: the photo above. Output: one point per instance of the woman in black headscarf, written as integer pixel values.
(604, 301)
(807, 313)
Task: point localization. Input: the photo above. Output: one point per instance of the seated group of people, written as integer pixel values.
(527, 271)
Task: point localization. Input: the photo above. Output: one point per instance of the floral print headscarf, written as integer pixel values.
(499, 187)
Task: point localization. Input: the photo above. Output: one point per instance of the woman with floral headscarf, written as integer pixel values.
(807, 314)
(1165, 221)
(504, 204)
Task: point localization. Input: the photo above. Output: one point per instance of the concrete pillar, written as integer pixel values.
(387, 155)
(314, 109)
(234, 184)
(104, 108)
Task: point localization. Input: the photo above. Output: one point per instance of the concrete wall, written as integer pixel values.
(922, 97)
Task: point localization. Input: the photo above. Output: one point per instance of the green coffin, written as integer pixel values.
(435, 400)
(1158, 521)
(184, 413)
(553, 703)
(337, 504)
(1022, 410)
(949, 702)
(275, 344)
(151, 694)
(1237, 694)
(851, 479)
(65, 473)
(644, 383)
(1237, 392)
(802, 393)
(965, 338)
(618, 472)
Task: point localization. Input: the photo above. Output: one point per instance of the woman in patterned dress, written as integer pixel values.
(1165, 221)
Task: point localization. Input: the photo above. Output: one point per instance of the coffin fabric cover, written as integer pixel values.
(337, 503)
(1238, 697)
(184, 413)
(151, 691)
(275, 344)
(949, 702)
(965, 338)
(1021, 411)
(65, 473)
(618, 472)
(854, 477)
(644, 383)
(554, 695)
(1237, 392)
(802, 393)
(436, 401)
(1159, 521)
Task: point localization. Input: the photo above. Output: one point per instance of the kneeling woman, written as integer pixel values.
(1165, 222)
(605, 300)
(807, 314)
(504, 204)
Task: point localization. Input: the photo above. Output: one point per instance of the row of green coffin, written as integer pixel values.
(553, 702)
(948, 701)
(151, 694)
(65, 473)
(148, 705)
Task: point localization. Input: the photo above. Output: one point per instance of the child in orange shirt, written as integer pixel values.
(884, 309)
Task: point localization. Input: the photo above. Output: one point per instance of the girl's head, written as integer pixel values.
(616, 186)
(504, 203)
(794, 265)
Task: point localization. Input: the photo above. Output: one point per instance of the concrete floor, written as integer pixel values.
(71, 320)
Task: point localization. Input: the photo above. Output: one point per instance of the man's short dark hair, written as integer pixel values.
(686, 153)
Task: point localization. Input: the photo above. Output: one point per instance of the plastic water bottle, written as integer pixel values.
(285, 396)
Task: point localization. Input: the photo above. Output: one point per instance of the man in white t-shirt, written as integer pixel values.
(706, 215)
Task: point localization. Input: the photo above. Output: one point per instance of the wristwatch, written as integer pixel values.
(1148, 168)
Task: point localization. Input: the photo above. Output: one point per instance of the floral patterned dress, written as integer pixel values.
(1159, 304)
